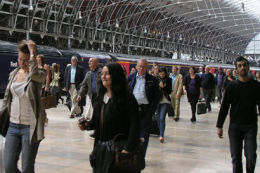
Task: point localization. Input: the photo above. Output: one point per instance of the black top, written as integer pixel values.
(115, 121)
(186, 83)
(243, 98)
(166, 91)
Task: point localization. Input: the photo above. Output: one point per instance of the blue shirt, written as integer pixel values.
(94, 82)
(72, 74)
(139, 90)
(173, 79)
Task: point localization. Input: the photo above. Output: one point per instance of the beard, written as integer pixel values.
(243, 73)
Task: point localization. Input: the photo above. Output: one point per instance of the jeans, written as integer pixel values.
(17, 141)
(237, 134)
(161, 114)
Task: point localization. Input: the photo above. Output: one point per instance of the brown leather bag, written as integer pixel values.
(4, 121)
(48, 101)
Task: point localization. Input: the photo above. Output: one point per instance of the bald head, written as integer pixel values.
(141, 66)
(93, 63)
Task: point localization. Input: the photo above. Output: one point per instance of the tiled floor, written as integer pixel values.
(189, 148)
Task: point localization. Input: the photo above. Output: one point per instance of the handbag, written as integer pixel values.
(48, 101)
(133, 161)
(4, 121)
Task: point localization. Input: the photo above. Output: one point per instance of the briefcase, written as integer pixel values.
(201, 108)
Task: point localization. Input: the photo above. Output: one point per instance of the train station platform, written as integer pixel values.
(189, 147)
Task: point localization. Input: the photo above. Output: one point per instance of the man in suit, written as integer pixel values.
(208, 86)
(91, 82)
(72, 78)
(145, 88)
(177, 85)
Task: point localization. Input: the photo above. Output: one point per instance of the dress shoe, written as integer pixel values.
(176, 119)
(92, 135)
(72, 116)
(193, 120)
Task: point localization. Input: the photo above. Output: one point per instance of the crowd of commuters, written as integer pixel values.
(122, 104)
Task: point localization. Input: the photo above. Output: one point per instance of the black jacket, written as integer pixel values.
(151, 89)
(166, 91)
(79, 76)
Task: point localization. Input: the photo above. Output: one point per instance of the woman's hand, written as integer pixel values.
(124, 152)
(32, 48)
(161, 84)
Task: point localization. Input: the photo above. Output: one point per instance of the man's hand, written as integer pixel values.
(220, 132)
(78, 98)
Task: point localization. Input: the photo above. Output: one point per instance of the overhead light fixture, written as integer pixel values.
(79, 12)
(242, 6)
(31, 6)
(117, 23)
(145, 30)
(168, 34)
(180, 37)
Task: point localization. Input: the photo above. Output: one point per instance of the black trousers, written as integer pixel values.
(146, 120)
(208, 94)
(237, 135)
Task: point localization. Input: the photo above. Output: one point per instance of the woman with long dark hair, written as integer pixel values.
(165, 85)
(116, 112)
(192, 86)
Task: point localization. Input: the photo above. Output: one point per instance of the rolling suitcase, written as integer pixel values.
(201, 108)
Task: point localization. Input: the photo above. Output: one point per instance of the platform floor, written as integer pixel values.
(189, 147)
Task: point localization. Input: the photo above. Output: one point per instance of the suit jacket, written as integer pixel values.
(151, 89)
(86, 84)
(177, 87)
(79, 76)
(35, 80)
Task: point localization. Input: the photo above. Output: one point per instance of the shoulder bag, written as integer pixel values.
(4, 121)
(131, 162)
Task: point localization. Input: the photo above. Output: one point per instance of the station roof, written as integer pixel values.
(224, 24)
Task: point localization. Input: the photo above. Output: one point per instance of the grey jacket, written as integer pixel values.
(35, 80)
(86, 83)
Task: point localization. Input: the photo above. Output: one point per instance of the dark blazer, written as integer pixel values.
(86, 83)
(79, 76)
(151, 89)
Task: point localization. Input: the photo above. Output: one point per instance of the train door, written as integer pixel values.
(126, 65)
